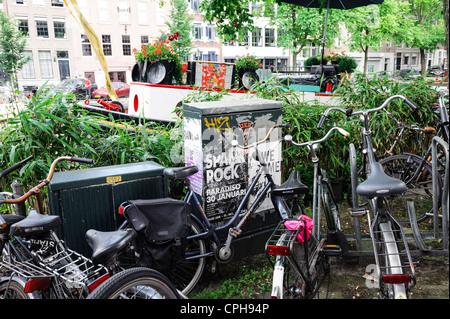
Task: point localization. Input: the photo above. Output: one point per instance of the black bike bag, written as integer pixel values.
(162, 225)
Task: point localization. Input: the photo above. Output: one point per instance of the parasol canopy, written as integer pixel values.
(331, 4)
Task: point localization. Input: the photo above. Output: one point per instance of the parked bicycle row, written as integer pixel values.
(161, 249)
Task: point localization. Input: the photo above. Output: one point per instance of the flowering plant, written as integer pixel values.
(248, 62)
(161, 50)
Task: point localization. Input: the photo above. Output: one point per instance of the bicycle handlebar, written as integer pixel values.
(349, 112)
(15, 166)
(36, 189)
(288, 138)
(235, 142)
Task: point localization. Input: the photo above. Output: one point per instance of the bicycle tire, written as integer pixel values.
(420, 190)
(332, 214)
(136, 283)
(186, 274)
(14, 290)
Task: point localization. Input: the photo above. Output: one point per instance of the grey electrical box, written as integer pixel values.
(226, 172)
(89, 198)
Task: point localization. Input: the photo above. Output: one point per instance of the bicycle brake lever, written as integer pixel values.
(349, 112)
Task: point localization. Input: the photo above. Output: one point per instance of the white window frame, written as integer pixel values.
(45, 64)
(28, 70)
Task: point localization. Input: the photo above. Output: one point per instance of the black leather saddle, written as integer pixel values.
(180, 172)
(292, 186)
(35, 223)
(380, 184)
(105, 245)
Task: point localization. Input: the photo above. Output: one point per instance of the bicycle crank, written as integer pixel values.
(224, 254)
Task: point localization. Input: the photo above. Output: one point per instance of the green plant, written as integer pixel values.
(161, 50)
(50, 126)
(248, 62)
(313, 60)
(346, 64)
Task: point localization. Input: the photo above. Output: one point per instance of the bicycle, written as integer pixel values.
(203, 240)
(36, 264)
(400, 166)
(302, 263)
(416, 172)
(395, 277)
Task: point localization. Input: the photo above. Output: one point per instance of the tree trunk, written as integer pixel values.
(422, 62)
(365, 49)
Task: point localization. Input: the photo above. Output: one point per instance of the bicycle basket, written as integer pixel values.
(162, 226)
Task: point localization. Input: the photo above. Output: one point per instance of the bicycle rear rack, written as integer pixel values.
(390, 232)
(303, 258)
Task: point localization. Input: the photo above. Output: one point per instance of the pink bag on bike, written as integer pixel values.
(302, 222)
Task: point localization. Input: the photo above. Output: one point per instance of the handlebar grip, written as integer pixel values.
(82, 160)
(411, 104)
(284, 125)
(15, 166)
(321, 121)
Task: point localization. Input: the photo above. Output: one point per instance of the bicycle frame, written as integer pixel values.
(383, 226)
(233, 232)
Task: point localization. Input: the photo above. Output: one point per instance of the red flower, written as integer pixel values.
(235, 24)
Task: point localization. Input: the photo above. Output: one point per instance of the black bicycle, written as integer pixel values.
(36, 264)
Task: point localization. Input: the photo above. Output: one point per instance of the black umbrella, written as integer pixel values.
(333, 4)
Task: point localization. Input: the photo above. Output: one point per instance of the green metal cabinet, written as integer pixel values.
(90, 198)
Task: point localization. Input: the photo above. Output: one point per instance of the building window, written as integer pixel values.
(106, 40)
(269, 38)
(86, 45)
(124, 13)
(144, 39)
(28, 69)
(244, 42)
(59, 26)
(57, 3)
(256, 38)
(23, 25)
(45, 63)
(39, 3)
(142, 13)
(197, 31)
(195, 5)
(210, 31)
(42, 28)
(126, 46)
(103, 11)
(20, 2)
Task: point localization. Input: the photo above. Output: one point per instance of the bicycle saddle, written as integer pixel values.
(105, 245)
(180, 172)
(292, 186)
(35, 223)
(380, 184)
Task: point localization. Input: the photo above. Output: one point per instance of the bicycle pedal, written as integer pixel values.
(358, 212)
(331, 250)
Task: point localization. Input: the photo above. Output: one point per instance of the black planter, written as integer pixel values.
(247, 77)
(160, 72)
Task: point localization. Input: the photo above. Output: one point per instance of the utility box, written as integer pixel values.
(90, 198)
(225, 172)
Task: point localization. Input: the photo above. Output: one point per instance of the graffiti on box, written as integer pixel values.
(225, 171)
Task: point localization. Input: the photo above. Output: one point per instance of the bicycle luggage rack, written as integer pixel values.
(284, 242)
(416, 235)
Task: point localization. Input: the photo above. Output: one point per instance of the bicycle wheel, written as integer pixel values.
(186, 274)
(420, 187)
(331, 209)
(13, 290)
(136, 283)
